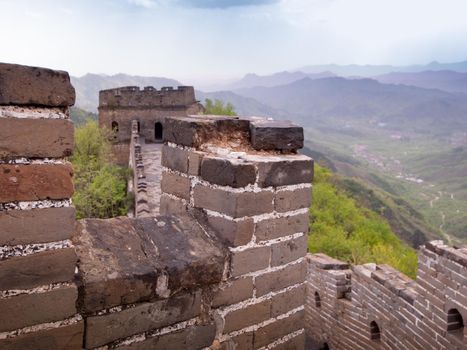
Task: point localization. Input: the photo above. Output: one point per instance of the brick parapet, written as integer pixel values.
(148, 97)
(410, 314)
(246, 194)
(37, 257)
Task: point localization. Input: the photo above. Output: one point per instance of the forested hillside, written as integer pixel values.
(343, 229)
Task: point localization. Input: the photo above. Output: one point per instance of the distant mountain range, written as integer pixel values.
(310, 99)
(281, 78)
(443, 80)
(372, 70)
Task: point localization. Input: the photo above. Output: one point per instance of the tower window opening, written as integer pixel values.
(455, 321)
(158, 131)
(317, 300)
(375, 333)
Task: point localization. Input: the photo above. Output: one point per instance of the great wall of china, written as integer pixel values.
(214, 256)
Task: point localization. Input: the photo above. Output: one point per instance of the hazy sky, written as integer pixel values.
(209, 39)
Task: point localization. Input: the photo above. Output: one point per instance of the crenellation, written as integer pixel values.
(410, 314)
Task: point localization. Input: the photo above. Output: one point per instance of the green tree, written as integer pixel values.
(100, 186)
(346, 231)
(217, 107)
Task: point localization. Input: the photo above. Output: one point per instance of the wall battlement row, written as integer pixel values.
(376, 307)
(147, 97)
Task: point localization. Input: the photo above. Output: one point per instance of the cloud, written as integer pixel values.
(223, 4)
(143, 3)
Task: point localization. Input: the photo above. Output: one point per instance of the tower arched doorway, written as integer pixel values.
(158, 131)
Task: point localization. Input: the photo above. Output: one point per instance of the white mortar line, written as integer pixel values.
(41, 327)
(283, 339)
(275, 268)
(175, 145)
(27, 161)
(33, 248)
(42, 204)
(260, 217)
(20, 112)
(155, 333)
(266, 243)
(256, 300)
(40, 289)
(255, 327)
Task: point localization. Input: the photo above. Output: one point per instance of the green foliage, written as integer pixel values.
(217, 107)
(100, 186)
(80, 116)
(344, 230)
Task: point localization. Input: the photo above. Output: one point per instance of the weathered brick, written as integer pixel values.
(170, 205)
(175, 184)
(194, 337)
(233, 232)
(35, 138)
(275, 135)
(194, 162)
(279, 329)
(279, 227)
(175, 158)
(36, 225)
(289, 170)
(250, 260)
(25, 272)
(34, 86)
(227, 172)
(232, 292)
(35, 182)
(242, 341)
(67, 337)
(287, 200)
(247, 316)
(188, 131)
(288, 251)
(234, 204)
(288, 300)
(103, 329)
(274, 281)
(30, 309)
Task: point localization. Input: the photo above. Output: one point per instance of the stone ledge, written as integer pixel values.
(252, 133)
(458, 255)
(124, 261)
(324, 262)
(34, 86)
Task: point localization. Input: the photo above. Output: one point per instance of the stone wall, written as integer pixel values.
(118, 107)
(37, 258)
(226, 272)
(376, 307)
(243, 178)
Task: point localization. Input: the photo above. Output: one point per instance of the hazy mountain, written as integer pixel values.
(372, 70)
(281, 78)
(88, 86)
(243, 105)
(444, 80)
(312, 99)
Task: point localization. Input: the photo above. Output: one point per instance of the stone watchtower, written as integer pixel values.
(148, 106)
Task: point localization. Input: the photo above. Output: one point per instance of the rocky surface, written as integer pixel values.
(34, 86)
(123, 260)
